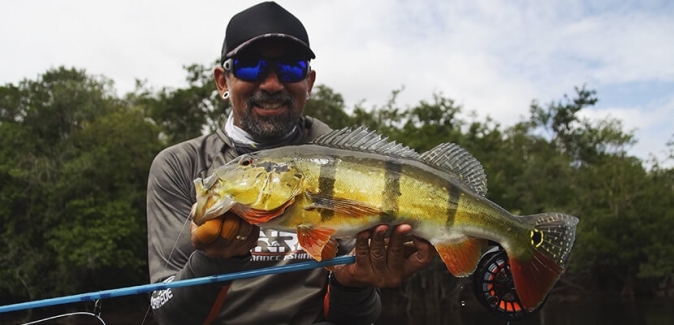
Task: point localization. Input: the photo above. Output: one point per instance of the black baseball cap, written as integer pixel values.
(263, 20)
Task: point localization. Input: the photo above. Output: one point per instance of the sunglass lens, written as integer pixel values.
(292, 71)
(249, 69)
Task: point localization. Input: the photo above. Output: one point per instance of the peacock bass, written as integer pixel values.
(350, 180)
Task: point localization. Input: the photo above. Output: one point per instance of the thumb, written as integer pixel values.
(209, 230)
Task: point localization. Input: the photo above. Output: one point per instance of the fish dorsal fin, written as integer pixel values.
(452, 158)
(362, 139)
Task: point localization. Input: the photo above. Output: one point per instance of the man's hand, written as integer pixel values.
(382, 262)
(233, 236)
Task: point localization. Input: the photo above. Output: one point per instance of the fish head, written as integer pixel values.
(249, 182)
(261, 183)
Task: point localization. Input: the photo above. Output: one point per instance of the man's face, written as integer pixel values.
(268, 108)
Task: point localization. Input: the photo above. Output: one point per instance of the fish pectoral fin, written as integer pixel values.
(342, 206)
(258, 216)
(317, 242)
(461, 255)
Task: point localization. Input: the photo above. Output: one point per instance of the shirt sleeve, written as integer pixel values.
(170, 253)
(353, 305)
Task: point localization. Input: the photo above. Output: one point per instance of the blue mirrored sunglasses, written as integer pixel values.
(256, 69)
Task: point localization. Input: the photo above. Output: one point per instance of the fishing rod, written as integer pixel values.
(347, 259)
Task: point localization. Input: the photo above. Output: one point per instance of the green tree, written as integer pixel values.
(184, 113)
(327, 106)
(73, 166)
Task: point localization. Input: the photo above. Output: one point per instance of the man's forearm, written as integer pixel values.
(193, 304)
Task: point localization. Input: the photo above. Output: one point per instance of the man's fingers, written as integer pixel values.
(378, 249)
(363, 248)
(419, 259)
(396, 250)
(425, 250)
(243, 232)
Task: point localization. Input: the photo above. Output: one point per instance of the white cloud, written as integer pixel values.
(490, 56)
(651, 124)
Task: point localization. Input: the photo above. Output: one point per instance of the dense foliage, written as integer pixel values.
(74, 159)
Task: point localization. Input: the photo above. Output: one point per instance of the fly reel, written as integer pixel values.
(495, 289)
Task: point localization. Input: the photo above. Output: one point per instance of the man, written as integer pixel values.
(264, 72)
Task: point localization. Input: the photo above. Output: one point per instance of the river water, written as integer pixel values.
(595, 312)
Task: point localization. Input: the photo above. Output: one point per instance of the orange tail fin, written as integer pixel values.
(536, 273)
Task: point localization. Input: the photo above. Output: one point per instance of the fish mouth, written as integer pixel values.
(207, 209)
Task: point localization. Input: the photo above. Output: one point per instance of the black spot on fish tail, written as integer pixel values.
(391, 192)
(326, 186)
(536, 237)
(453, 196)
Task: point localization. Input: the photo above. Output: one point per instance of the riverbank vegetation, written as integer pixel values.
(74, 158)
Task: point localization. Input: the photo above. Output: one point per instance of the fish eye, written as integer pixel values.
(246, 160)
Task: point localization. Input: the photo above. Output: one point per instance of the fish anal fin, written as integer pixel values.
(342, 206)
(317, 242)
(462, 255)
(534, 278)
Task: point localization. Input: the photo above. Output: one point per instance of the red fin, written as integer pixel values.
(343, 206)
(535, 272)
(255, 216)
(461, 257)
(534, 278)
(329, 252)
(316, 241)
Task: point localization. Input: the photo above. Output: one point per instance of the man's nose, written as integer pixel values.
(271, 83)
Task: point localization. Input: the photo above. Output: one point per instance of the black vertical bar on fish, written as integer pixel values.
(326, 185)
(391, 192)
(453, 196)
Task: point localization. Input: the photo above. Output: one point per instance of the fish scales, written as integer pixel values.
(402, 193)
(351, 180)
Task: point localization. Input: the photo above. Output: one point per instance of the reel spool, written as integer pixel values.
(495, 289)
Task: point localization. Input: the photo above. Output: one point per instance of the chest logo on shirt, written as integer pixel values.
(274, 245)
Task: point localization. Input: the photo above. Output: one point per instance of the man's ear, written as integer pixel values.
(311, 77)
(220, 76)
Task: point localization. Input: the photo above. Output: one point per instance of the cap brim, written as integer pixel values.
(245, 44)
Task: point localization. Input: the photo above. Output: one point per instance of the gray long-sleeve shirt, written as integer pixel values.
(289, 298)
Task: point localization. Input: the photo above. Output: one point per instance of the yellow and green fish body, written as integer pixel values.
(348, 181)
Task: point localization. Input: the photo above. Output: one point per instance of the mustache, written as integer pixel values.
(262, 97)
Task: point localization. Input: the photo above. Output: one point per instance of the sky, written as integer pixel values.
(492, 57)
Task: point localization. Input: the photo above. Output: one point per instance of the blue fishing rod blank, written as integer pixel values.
(348, 259)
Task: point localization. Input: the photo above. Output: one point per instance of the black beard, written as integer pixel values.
(264, 128)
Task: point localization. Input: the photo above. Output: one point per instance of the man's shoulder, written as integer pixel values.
(316, 127)
(182, 151)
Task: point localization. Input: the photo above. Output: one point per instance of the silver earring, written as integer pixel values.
(225, 95)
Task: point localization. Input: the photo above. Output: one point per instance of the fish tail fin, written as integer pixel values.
(537, 269)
